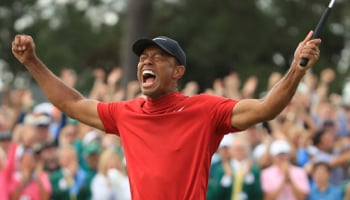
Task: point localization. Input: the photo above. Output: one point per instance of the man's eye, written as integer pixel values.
(158, 56)
(142, 58)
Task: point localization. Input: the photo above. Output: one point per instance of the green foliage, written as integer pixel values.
(10, 11)
(232, 35)
(215, 39)
(67, 39)
(218, 36)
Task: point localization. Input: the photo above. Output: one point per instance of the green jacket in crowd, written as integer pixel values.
(251, 185)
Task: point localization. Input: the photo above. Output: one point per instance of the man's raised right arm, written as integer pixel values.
(65, 98)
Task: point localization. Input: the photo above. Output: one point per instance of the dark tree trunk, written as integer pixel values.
(136, 26)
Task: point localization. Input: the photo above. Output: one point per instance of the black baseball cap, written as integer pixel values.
(167, 44)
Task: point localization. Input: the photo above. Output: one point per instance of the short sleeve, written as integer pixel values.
(221, 112)
(107, 112)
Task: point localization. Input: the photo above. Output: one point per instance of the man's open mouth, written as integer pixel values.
(148, 77)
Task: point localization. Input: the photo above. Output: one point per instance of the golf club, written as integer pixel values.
(318, 28)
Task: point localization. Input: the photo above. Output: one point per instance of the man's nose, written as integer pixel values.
(148, 61)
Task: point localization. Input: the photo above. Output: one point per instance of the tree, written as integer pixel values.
(12, 12)
(136, 25)
(75, 34)
(242, 36)
(218, 36)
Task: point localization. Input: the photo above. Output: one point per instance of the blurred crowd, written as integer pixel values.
(44, 154)
(302, 154)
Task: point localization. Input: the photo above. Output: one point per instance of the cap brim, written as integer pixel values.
(141, 45)
(168, 45)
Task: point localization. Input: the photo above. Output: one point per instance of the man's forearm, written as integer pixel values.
(282, 92)
(52, 86)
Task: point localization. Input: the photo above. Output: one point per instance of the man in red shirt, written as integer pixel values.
(168, 138)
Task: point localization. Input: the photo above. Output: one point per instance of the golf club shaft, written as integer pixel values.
(318, 28)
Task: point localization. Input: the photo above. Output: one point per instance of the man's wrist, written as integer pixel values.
(31, 61)
(299, 69)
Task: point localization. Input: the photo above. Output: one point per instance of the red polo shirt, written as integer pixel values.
(169, 142)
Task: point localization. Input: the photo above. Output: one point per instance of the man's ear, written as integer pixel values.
(179, 71)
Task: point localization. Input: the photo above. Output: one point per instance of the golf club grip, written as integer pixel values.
(317, 31)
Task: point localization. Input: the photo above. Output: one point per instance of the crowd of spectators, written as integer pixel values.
(44, 154)
(302, 154)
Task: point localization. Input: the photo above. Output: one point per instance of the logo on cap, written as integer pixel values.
(159, 38)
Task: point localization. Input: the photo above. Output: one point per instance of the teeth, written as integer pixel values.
(148, 72)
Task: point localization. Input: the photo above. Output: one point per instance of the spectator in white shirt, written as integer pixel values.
(111, 181)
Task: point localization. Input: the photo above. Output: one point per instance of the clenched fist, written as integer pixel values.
(308, 49)
(23, 48)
